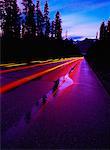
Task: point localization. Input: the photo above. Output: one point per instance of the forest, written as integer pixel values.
(98, 55)
(30, 34)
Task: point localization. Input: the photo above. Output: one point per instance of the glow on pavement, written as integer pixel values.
(62, 86)
(19, 82)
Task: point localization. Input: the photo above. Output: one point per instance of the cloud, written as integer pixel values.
(81, 18)
(86, 30)
(78, 25)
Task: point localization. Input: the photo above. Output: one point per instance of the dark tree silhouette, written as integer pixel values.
(58, 28)
(23, 29)
(108, 30)
(98, 55)
(2, 12)
(11, 20)
(108, 26)
(102, 31)
(29, 27)
(39, 19)
(46, 20)
(53, 29)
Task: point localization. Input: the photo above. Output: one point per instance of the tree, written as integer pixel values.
(39, 19)
(2, 12)
(11, 19)
(29, 27)
(53, 29)
(108, 29)
(102, 31)
(46, 20)
(58, 28)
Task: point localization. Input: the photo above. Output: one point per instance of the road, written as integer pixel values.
(75, 112)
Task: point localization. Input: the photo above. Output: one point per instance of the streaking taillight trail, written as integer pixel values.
(14, 84)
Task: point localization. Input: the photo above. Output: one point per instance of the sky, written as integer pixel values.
(80, 18)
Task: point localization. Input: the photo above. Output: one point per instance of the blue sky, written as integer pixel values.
(81, 18)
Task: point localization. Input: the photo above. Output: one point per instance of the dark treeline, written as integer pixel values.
(30, 34)
(24, 50)
(98, 55)
(105, 31)
(30, 22)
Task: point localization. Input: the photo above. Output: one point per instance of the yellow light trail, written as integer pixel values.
(4, 65)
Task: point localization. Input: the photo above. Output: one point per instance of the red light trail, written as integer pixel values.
(24, 80)
(28, 67)
(23, 68)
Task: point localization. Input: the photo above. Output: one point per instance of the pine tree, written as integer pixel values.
(29, 27)
(46, 20)
(53, 29)
(108, 30)
(2, 13)
(102, 31)
(39, 19)
(58, 28)
(47, 32)
(23, 29)
(11, 20)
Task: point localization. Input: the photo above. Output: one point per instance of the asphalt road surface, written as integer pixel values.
(61, 105)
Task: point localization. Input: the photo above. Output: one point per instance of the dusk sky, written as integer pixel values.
(81, 18)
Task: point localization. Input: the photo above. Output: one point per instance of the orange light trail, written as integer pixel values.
(19, 82)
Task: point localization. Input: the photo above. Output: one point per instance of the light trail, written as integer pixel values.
(39, 61)
(4, 65)
(24, 80)
(29, 67)
(15, 65)
(21, 68)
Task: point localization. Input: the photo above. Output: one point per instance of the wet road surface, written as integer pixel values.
(75, 113)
